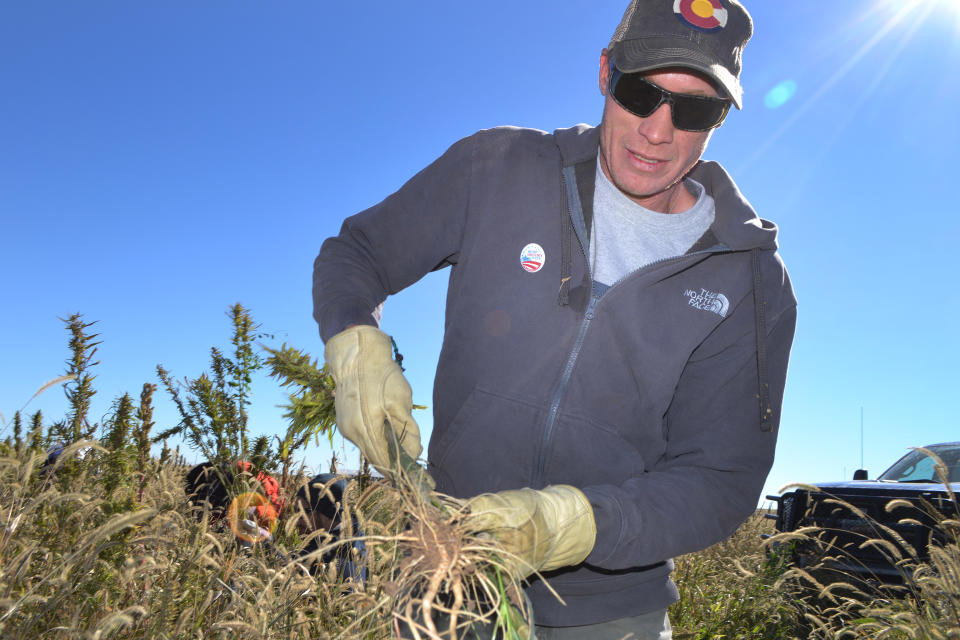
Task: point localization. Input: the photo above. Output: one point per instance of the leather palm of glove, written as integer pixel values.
(539, 529)
(370, 393)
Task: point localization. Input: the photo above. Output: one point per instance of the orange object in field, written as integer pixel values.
(251, 505)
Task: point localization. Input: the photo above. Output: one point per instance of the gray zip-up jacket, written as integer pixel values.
(658, 397)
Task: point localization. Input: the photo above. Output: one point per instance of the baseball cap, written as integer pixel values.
(324, 493)
(703, 35)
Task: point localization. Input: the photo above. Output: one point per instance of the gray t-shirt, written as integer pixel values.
(625, 236)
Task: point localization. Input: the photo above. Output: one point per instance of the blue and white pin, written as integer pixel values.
(532, 258)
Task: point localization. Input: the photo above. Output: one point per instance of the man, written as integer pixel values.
(617, 331)
(323, 505)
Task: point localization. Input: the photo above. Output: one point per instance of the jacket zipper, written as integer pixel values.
(581, 334)
(558, 394)
(588, 316)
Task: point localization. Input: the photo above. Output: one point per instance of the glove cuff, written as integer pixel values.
(343, 349)
(576, 529)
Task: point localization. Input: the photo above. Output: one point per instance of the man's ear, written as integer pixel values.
(604, 71)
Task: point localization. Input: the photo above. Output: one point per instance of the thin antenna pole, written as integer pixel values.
(861, 437)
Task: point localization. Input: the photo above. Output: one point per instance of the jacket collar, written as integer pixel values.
(736, 226)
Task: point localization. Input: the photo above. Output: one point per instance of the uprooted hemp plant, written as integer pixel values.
(441, 577)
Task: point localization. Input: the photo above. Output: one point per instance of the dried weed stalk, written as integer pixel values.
(837, 603)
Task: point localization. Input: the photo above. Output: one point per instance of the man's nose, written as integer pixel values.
(657, 127)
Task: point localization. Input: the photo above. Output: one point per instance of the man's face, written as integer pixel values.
(647, 157)
(313, 520)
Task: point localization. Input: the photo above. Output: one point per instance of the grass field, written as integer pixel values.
(74, 566)
(105, 545)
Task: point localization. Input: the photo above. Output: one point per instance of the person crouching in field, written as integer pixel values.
(253, 508)
(323, 504)
(252, 514)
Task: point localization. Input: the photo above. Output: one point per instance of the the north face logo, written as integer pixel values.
(708, 301)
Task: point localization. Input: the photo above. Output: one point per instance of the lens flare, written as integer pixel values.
(906, 17)
(780, 94)
(252, 508)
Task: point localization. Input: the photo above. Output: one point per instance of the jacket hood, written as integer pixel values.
(739, 229)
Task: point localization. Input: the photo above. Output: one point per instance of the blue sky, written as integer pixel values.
(160, 161)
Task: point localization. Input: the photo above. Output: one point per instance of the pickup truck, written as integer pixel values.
(904, 509)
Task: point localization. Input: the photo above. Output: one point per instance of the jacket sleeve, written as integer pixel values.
(393, 244)
(717, 456)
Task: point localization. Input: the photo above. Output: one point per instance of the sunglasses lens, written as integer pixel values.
(698, 114)
(635, 95)
(690, 113)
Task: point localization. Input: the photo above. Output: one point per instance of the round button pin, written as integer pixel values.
(532, 257)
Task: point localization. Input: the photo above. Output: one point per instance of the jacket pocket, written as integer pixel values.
(490, 445)
(584, 452)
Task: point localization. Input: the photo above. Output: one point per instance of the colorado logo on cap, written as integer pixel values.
(705, 15)
(532, 257)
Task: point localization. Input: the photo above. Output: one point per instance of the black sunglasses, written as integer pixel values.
(641, 97)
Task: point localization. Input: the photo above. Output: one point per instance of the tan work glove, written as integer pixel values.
(539, 530)
(370, 389)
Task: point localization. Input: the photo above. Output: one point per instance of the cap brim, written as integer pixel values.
(647, 54)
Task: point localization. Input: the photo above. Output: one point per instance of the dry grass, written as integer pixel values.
(67, 569)
(73, 567)
(837, 605)
(729, 590)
